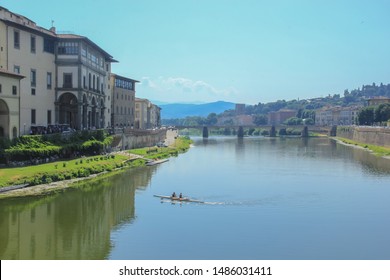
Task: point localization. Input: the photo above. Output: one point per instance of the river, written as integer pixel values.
(265, 198)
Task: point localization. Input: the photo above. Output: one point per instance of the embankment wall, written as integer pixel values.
(379, 136)
(133, 138)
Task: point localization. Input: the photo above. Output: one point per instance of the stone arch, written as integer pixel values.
(68, 110)
(4, 119)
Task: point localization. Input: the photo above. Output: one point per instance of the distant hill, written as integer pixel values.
(174, 111)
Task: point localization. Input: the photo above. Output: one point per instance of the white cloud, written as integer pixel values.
(177, 89)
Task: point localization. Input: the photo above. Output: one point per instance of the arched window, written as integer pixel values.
(89, 80)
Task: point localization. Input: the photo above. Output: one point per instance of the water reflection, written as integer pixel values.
(74, 225)
(294, 186)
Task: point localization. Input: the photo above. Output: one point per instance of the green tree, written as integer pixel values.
(366, 116)
(260, 119)
(382, 113)
(293, 121)
(211, 119)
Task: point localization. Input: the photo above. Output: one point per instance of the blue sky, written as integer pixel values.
(244, 51)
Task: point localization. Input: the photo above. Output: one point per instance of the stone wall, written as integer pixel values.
(379, 136)
(135, 138)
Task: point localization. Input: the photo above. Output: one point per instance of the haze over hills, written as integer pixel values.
(177, 110)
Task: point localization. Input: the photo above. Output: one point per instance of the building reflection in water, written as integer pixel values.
(75, 224)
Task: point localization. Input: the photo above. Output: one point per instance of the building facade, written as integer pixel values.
(28, 50)
(278, 117)
(83, 77)
(141, 113)
(154, 113)
(122, 101)
(67, 75)
(67, 81)
(337, 115)
(377, 100)
(9, 104)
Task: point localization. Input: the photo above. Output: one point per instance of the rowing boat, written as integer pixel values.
(178, 199)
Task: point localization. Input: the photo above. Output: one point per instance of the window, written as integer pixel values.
(49, 80)
(0, 88)
(49, 117)
(33, 91)
(32, 45)
(33, 116)
(48, 45)
(17, 69)
(71, 48)
(68, 80)
(33, 77)
(14, 90)
(16, 40)
(84, 82)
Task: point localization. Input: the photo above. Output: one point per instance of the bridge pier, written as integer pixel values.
(305, 132)
(205, 132)
(272, 132)
(240, 133)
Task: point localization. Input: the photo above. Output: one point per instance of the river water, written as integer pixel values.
(265, 198)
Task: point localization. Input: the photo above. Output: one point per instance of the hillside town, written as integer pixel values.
(54, 82)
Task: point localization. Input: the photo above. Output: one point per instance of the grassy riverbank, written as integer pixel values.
(180, 145)
(50, 177)
(376, 150)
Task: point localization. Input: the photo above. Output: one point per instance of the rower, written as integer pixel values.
(181, 195)
(174, 194)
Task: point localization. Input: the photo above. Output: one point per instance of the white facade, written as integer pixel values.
(141, 113)
(83, 72)
(337, 115)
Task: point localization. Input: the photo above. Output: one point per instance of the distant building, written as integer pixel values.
(141, 113)
(278, 117)
(9, 104)
(377, 100)
(122, 101)
(337, 115)
(154, 116)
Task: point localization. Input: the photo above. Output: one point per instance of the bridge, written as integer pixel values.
(273, 130)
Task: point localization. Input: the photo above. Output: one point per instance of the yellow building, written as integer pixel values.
(67, 75)
(122, 101)
(9, 104)
(377, 100)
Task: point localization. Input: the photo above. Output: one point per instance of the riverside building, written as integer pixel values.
(67, 80)
(67, 76)
(123, 101)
